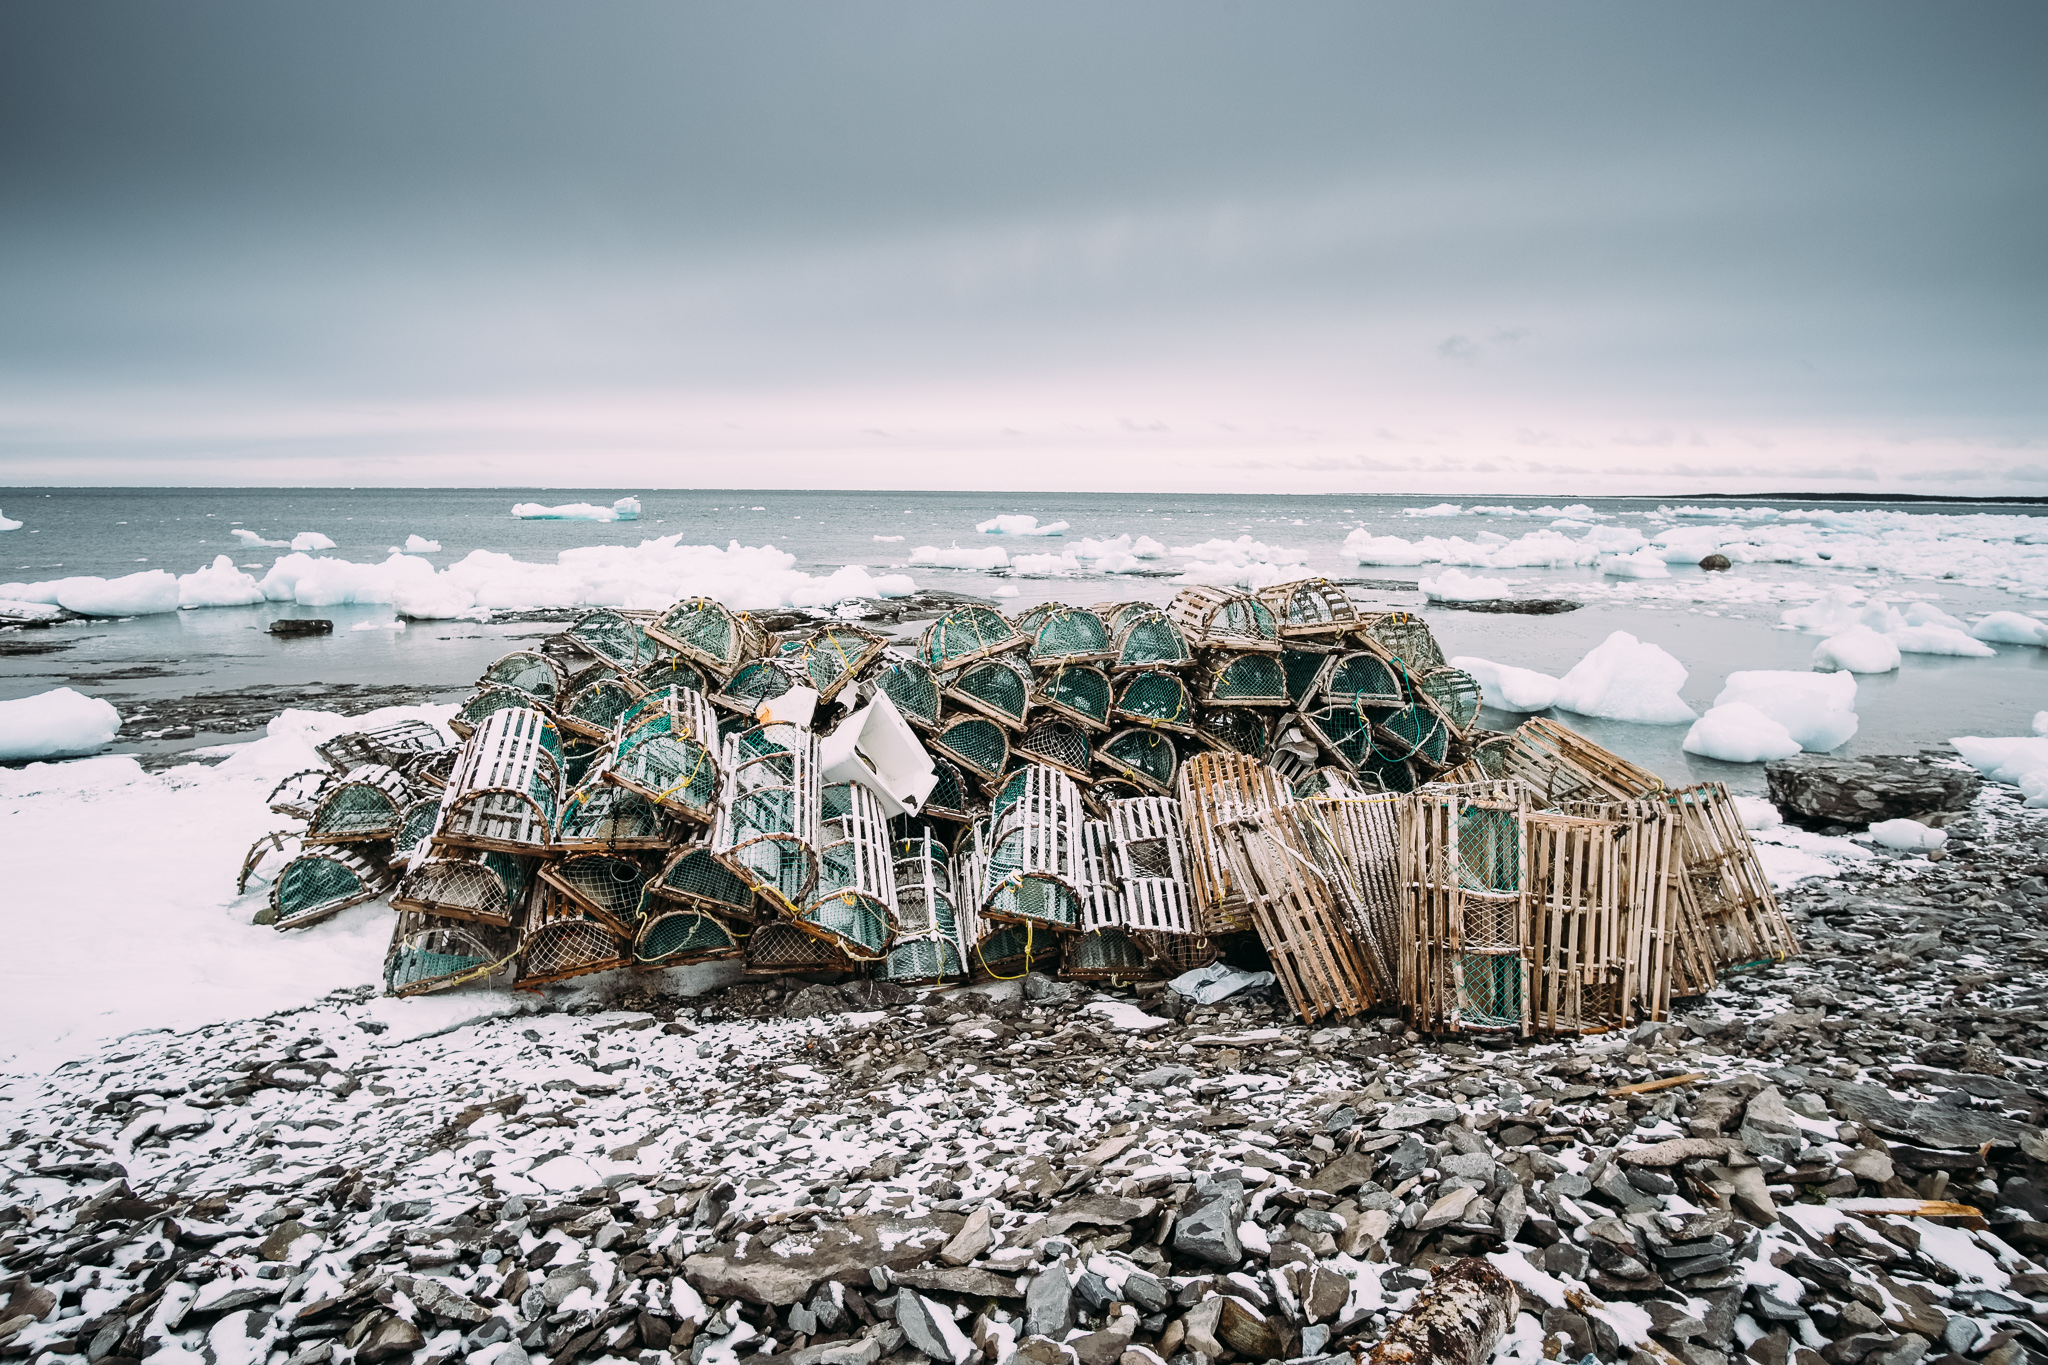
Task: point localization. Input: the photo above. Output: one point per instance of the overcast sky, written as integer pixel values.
(1560, 247)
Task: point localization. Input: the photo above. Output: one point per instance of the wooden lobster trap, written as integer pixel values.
(927, 946)
(1216, 789)
(507, 787)
(1453, 694)
(1404, 636)
(675, 935)
(1146, 638)
(415, 827)
(1034, 867)
(1672, 957)
(1321, 966)
(978, 745)
(366, 806)
(1464, 940)
(1062, 635)
(1244, 680)
(322, 882)
(757, 682)
(1305, 667)
(1560, 765)
(616, 636)
(1355, 843)
(915, 691)
(853, 906)
(1058, 743)
(1155, 697)
(605, 886)
(950, 797)
(1078, 692)
(1411, 733)
(704, 631)
(767, 825)
(1151, 862)
(594, 709)
(670, 770)
(390, 746)
(1581, 942)
(780, 948)
(271, 854)
(429, 954)
(1721, 885)
(537, 675)
(297, 794)
(1341, 731)
(601, 817)
(1101, 884)
(561, 939)
(671, 710)
(487, 702)
(1311, 608)
(483, 888)
(671, 670)
(1365, 677)
(831, 657)
(1216, 618)
(998, 687)
(966, 635)
(693, 876)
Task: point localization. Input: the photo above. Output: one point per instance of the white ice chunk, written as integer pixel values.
(220, 584)
(889, 540)
(1644, 563)
(1442, 509)
(1758, 813)
(14, 609)
(254, 540)
(1927, 614)
(2021, 761)
(136, 594)
(8, 523)
(1506, 688)
(1739, 733)
(1939, 640)
(1623, 678)
(1908, 836)
(1454, 585)
(305, 542)
(2041, 722)
(1006, 590)
(55, 724)
(1019, 526)
(568, 511)
(627, 509)
(420, 545)
(1816, 708)
(2011, 628)
(1857, 649)
(1363, 547)
(954, 557)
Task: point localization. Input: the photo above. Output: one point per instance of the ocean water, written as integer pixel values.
(1713, 625)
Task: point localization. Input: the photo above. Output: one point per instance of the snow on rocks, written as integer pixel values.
(1908, 836)
(59, 723)
(1623, 678)
(1507, 688)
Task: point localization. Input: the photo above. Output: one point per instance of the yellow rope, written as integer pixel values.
(1027, 958)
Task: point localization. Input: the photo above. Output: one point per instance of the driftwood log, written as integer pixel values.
(1457, 1321)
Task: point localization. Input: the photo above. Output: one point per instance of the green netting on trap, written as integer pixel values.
(856, 923)
(1145, 756)
(978, 745)
(674, 773)
(1304, 673)
(609, 886)
(437, 957)
(414, 825)
(525, 671)
(616, 639)
(1236, 730)
(835, 801)
(1248, 680)
(913, 690)
(1435, 746)
(922, 959)
(754, 683)
(694, 875)
(1012, 790)
(1389, 774)
(1343, 731)
(830, 655)
(673, 671)
(1489, 849)
(1078, 691)
(1239, 620)
(782, 947)
(1151, 641)
(1399, 730)
(1490, 994)
(1365, 680)
(1456, 693)
(1105, 953)
(1156, 697)
(354, 811)
(964, 635)
(674, 936)
(579, 753)
(597, 708)
(1008, 950)
(484, 704)
(599, 814)
(1025, 896)
(1408, 639)
(1058, 744)
(997, 688)
(948, 796)
(314, 886)
(777, 865)
(1069, 634)
(705, 631)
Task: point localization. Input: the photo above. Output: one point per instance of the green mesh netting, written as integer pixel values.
(1365, 680)
(1250, 679)
(1242, 732)
(1070, 633)
(1002, 953)
(312, 885)
(611, 885)
(1344, 730)
(828, 656)
(755, 683)
(680, 933)
(696, 875)
(415, 825)
(600, 813)
(1243, 618)
(979, 745)
(673, 671)
(913, 690)
(963, 634)
(599, 705)
(1408, 639)
(677, 773)
(355, 811)
(1391, 774)
(704, 628)
(409, 966)
(1490, 990)
(1401, 729)
(922, 959)
(489, 701)
(1304, 673)
(1010, 793)
(768, 810)
(949, 794)
(1059, 743)
(855, 922)
(1038, 899)
(616, 639)
(1455, 692)
(1436, 744)
(1106, 952)
(1079, 690)
(526, 672)
(780, 866)
(578, 753)
(1156, 697)
(1146, 755)
(995, 686)
(835, 801)
(1152, 641)
(1489, 849)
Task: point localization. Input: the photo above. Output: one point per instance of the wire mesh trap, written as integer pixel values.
(694, 876)
(1234, 730)
(487, 702)
(854, 904)
(978, 745)
(1215, 618)
(703, 631)
(1305, 671)
(963, 636)
(528, 671)
(997, 687)
(780, 948)
(762, 680)
(832, 656)
(594, 709)
(390, 746)
(1057, 743)
(672, 935)
(415, 826)
(1105, 954)
(767, 825)
(484, 888)
(616, 636)
(1311, 608)
(669, 770)
(268, 856)
(428, 954)
(507, 786)
(1147, 639)
(1407, 638)
(1144, 757)
(1079, 692)
(671, 671)
(322, 882)
(1034, 872)
(1244, 680)
(1155, 697)
(367, 805)
(915, 691)
(927, 945)
(1151, 858)
(1365, 678)
(605, 886)
(950, 798)
(1061, 634)
(1453, 693)
(602, 817)
(560, 939)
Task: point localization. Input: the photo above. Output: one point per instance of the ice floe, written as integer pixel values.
(955, 557)
(254, 540)
(1019, 526)
(1624, 678)
(1454, 585)
(1858, 649)
(1737, 732)
(55, 724)
(8, 523)
(1816, 709)
(1506, 688)
(625, 509)
(419, 545)
(305, 542)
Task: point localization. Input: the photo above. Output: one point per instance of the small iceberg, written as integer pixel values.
(1019, 526)
(625, 509)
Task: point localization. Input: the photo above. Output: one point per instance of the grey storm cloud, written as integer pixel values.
(251, 230)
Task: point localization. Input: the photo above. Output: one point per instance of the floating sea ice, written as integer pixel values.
(1858, 649)
(1927, 614)
(56, 724)
(627, 509)
(1019, 526)
(137, 594)
(14, 609)
(220, 584)
(1817, 709)
(1454, 585)
(2021, 761)
(1644, 563)
(2041, 722)
(8, 523)
(1739, 733)
(1908, 836)
(420, 545)
(2011, 628)
(1939, 640)
(252, 540)
(1840, 610)
(1006, 590)
(891, 540)
(1442, 509)
(1363, 547)
(1506, 688)
(305, 542)
(954, 557)
(1623, 678)
(570, 511)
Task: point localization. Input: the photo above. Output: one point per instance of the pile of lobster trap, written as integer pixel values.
(1112, 792)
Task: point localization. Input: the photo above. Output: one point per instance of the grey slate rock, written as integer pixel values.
(1207, 1227)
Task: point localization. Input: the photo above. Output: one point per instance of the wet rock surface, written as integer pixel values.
(1834, 795)
(998, 1172)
